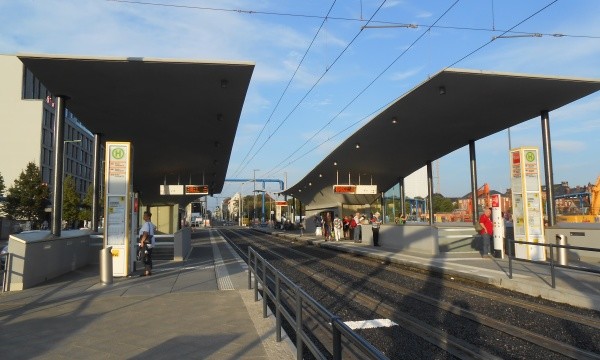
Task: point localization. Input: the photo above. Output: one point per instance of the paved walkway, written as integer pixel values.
(198, 309)
(573, 287)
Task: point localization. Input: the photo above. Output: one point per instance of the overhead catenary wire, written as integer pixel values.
(362, 91)
(451, 65)
(502, 34)
(237, 171)
(505, 33)
(383, 23)
(313, 87)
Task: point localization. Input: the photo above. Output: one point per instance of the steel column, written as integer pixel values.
(402, 196)
(383, 212)
(548, 169)
(430, 191)
(96, 182)
(57, 186)
(473, 169)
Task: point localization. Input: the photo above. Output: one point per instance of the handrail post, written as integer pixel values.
(265, 292)
(277, 307)
(256, 278)
(552, 266)
(337, 339)
(299, 345)
(249, 268)
(510, 243)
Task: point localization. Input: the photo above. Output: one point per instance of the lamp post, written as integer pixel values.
(254, 197)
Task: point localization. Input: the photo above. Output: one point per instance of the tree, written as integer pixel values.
(442, 204)
(86, 206)
(71, 201)
(28, 197)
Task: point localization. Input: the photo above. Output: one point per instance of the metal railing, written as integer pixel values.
(324, 334)
(550, 263)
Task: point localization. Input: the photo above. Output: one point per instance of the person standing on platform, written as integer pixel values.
(147, 242)
(487, 228)
(375, 222)
(337, 227)
(328, 226)
(346, 227)
(357, 228)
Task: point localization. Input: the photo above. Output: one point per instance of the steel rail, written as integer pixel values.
(455, 346)
(526, 335)
(548, 310)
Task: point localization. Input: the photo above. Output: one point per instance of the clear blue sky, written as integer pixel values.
(345, 74)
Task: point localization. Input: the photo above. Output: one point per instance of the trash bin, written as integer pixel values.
(562, 252)
(106, 266)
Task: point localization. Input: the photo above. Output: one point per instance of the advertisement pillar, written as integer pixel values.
(117, 205)
(528, 218)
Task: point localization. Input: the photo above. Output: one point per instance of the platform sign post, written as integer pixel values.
(117, 205)
(528, 217)
(498, 226)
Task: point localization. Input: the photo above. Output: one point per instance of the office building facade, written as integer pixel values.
(27, 114)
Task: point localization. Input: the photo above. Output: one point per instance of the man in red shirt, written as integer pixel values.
(487, 228)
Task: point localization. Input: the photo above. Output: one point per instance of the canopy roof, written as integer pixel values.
(180, 115)
(437, 117)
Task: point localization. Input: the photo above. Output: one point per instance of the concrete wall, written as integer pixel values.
(578, 234)
(182, 243)
(36, 257)
(418, 238)
(457, 237)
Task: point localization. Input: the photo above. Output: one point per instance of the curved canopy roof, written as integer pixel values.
(180, 115)
(437, 117)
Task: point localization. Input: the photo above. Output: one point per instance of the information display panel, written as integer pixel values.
(196, 189)
(528, 217)
(117, 206)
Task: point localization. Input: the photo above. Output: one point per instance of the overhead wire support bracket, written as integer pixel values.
(409, 26)
(519, 36)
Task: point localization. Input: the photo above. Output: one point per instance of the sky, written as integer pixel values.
(325, 68)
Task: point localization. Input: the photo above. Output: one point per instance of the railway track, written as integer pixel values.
(452, 316)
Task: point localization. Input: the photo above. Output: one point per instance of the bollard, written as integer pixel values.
(562, 252)
(106, 266)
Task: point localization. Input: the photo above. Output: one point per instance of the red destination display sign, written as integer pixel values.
(196, 189)
(344, 189)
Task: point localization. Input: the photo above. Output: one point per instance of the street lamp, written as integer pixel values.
(254, 201)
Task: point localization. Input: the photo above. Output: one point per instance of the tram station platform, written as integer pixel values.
(573, 287)
(200, 308)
